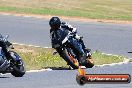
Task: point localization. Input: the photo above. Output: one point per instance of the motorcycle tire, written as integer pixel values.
(70, 59)
(18, 67)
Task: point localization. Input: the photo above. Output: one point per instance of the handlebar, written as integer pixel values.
(4, 38)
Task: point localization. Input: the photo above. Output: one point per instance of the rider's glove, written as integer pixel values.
(77, 37)
(74, 30)
(70, 27)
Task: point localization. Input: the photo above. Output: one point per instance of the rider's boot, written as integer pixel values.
(88, 53)
(86, 50)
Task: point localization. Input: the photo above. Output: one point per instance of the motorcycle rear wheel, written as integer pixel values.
(18, 71)
(71, 60)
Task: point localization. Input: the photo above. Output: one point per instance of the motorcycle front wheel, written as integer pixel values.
(18, 67)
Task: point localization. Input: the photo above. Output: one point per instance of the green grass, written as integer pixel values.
(40, 58)
(95, 9)
(101, 59)
(130, 60)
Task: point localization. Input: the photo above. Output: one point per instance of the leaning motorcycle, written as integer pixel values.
(71, 57)
(14, 65)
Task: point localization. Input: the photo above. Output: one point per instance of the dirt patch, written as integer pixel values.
(68, 18)
(25, 49)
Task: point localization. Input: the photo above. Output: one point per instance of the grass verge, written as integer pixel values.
(130, 60)
(41, 58)
(95, 9)
(100, 58)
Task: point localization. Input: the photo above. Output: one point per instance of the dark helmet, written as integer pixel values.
(55, 22)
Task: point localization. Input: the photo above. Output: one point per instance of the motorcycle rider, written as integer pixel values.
(74, 31)
(3, 45)
(58, 33)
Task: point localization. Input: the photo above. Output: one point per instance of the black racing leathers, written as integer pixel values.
(58, 35)
(3, 45)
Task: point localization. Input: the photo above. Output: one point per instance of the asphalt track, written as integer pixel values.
(105, 37)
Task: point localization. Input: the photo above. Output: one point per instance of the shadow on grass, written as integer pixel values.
(59, 68)
(129, 52)
(4, 77)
